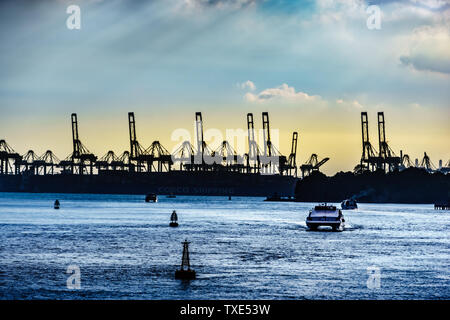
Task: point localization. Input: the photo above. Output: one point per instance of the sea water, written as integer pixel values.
(243, 248)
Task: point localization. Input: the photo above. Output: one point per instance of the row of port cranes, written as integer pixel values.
(385, 158)
(204, 158)
(156, 158)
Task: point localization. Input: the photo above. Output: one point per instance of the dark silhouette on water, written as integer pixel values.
(442, 205)
(274, 197)
(185, 272)
(349, 204)
(173, 219)
(151, 197)
(412, 185)
(151, 170)
(56, 205)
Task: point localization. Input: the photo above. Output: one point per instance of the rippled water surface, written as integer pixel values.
(241, 249)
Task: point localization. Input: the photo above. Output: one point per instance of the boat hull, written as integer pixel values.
(336, 225)
(314, 224)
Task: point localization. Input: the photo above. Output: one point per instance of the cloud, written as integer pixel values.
(433, 4)
(354, 104)
(339, 11)
(286, 95)
(247, 85)
(429, 50)
(426, 63)
(221, 4)
(283, 92)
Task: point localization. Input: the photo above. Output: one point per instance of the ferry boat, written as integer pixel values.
(349, 204)
(325, 215)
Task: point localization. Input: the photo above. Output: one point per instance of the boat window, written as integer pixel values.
(324, 213)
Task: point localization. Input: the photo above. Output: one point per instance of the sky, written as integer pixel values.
(313, 65)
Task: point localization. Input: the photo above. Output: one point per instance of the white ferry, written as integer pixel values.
(325, 215)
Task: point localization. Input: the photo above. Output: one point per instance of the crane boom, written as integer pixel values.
(199, 133)
(266, 131)
(75, 138)
(133, 139)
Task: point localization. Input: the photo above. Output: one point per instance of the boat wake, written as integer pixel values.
(353, 227)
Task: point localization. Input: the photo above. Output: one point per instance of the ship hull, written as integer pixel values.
(175, 182)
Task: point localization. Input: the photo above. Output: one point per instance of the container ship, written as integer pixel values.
(186, 171)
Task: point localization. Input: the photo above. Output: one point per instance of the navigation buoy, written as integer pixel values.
(56, 205)
(173, 219)
(151, 197)
(185, 272)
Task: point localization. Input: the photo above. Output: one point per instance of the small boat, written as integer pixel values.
(56, 205)
(173, 219)
(349, 204)
(325, 215)
(151, 197)
(185, 272)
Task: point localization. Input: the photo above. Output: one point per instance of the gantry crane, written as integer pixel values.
(136, 150)
(36, 165)
(388, 159)
(270, 152)
(48, 159)
(203, 151)
(137, 153)
(185, 154)
(426, 163)
(157, 153)
(405, 161)
(81, 157)
(124, 162)
(198, 160)
(106, 162)
(369, 159)
(253, 161)
(28, 162)
(230, 160)
(292, 163)
(312, 165)
(9, 159)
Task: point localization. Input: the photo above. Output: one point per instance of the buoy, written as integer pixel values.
(173, 219)
(151, 197)
(56, 205)
(229, 197)
(185, 272)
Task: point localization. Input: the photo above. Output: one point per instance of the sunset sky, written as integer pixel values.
(313, 65)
